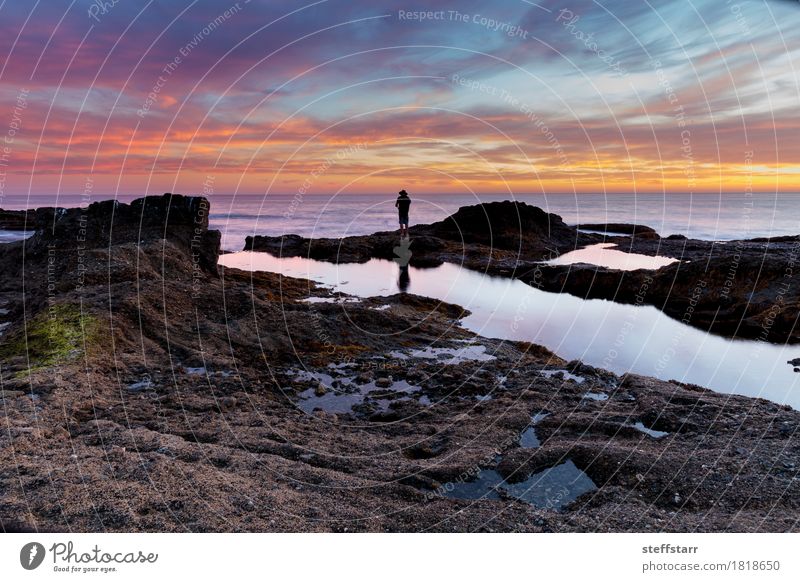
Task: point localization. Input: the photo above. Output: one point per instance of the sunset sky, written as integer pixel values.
(364, 96)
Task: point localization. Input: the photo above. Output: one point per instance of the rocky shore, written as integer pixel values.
(745, 289)
(17, 219)
(144, 388)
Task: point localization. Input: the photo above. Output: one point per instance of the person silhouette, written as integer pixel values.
(402, 204)
(403, 280)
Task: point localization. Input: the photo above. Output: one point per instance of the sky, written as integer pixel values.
(117, 97)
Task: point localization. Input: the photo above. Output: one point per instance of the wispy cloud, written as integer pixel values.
(565, 94)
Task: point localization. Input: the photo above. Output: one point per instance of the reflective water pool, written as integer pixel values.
(553, 488)
(605, 255)
(609, 335)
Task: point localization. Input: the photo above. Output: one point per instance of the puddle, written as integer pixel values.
(448, 356)
(381, 307)
(553, 488)
(572, 327)
(603, 232)
(8, 236)
(201, 371)
(140, 386)
(331, 401)
(528, 439)
(4, 326)
(4, 312)
(604, 255)
(341, 365)
(564, 374)
(596, 396)
(330, 300)
(656, 434)
(342, 394)
(483, 487)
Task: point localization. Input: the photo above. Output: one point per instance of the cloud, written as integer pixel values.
(264, 89)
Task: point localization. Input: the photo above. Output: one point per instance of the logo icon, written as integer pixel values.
(403, 252)
(31, 555)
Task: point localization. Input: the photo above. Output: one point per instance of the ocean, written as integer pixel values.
(703, 216)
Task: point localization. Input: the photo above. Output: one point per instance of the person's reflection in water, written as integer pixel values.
(402, 257)
(404, 280)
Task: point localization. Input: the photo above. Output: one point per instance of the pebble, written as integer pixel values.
(384, 382)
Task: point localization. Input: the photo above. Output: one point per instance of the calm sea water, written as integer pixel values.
(705, 216)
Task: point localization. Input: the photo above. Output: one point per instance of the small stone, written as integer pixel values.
(320, 389)
(383, 382)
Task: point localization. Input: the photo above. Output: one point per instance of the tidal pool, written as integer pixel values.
(614, 336)
(553, 488)
(605, 255)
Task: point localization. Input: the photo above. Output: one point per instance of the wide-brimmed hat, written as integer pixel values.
(403, 193)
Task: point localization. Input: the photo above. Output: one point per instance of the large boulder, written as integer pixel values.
(507, 225)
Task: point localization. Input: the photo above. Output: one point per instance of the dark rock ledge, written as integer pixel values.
(745, 289)
(143, 390)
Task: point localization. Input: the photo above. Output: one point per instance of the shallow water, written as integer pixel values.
(553, 488)
(605, 255)
(342, 393)
(484, 486)
(656, 434)
(529, 439)
(608, 335)
(7, 236)
(448, 356)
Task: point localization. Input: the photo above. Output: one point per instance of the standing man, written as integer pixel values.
(402, 205)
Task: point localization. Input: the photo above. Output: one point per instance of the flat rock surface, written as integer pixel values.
(144, 389)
